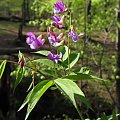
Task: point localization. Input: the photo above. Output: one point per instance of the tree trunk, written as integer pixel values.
(87, 18)
(25, 11)
(118, 61)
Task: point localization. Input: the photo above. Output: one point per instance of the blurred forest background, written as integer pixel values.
(99, 49)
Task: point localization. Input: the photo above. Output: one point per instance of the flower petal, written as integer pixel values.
(28, 40)
(59, 56)
(30, 34)
(59, 26)
(34, 45)
(61, 20)
(54, 57)
(59, 37)
(56, 10)
(73, 35)
(33, 41)
(59, 7)
(81, 34)
(56, 61)
(50, 56)
(56, 18)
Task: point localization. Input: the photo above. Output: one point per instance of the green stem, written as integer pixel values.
(33, 79)
(69, 44)
(70, 18)
(69, 54)
(55, 71)
(80, 114)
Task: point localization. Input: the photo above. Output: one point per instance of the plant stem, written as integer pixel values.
(55, 71)
(69, 45)
(33, 79)
(69, 54)
(70, 19)
(80, 114)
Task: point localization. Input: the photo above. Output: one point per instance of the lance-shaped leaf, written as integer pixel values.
(45, 62)
(38, 91)
(48, 72)
(73, 58)
(20, 55)
(84, 70)
(26, 100)
(2, 67)
(69, 89)
(19, 76)
(64, 51)
(81, 76)
(84, 100)
(43, 52)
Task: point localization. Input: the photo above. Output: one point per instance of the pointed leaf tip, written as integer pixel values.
(38, 91)
(2, 68)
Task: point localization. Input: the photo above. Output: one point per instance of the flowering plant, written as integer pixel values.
(60, 61)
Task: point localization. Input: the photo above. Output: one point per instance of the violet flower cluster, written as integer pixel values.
(54, 40)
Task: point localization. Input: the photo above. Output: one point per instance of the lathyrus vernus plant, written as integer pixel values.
(59, 61)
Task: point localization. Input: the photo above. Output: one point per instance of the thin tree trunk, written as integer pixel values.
(118, 60)
(27, 10)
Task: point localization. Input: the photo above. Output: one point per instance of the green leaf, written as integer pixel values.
(2, 67)
(81, 76)
(38, 91)
(19, 76)
(73, 59)
(21, 56)
(84, 100)
(104, 117)
(48, 72)
(43, 52)
(64, 51)
(69, 89)
(114, 116)
(46, 62)
(26, 100)
(84, 70)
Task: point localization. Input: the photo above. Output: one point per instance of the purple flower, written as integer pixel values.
(33, 41)
(58, 21)
(53, 40)
(56, 44)
(54, 57)
(74, 35)
(59, 7)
